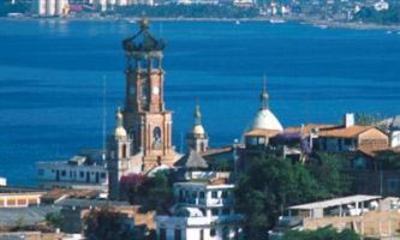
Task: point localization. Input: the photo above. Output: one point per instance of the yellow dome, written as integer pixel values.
(120, 132)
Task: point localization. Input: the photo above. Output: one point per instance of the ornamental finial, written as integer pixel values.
(119, 117)
(264, 95)
(144, 23)
(197, 113)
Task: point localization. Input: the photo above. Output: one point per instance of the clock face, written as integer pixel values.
(155, 90)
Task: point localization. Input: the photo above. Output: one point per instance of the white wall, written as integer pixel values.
(395, 138)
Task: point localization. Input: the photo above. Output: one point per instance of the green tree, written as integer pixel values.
(54, 219)
(160, 194)
(329, 171)
(267, 187)
(326, 233)
(222, 165)
(271, 184)
(107, 224)
(153, 193)
(366, 119)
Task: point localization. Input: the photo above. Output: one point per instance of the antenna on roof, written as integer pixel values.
(265, 83)
(103, 155)
(181, 143)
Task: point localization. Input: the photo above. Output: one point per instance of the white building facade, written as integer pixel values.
(203, 211)
(50, 8)
(76, 173)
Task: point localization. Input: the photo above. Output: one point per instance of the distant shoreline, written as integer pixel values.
(306, 21)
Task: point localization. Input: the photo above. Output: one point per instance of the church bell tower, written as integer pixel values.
(146, 120)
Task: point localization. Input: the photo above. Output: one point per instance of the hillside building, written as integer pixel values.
(19, 197)
(370, 216)
(50, 8)
(262, 129)
(392, 127)
(203, 210)
(347, 137)
(85, 171)
(381, 5)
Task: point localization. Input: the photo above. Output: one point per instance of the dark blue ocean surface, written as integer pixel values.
(51, 83)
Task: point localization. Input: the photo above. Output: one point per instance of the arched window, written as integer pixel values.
(123, 154)
(157, 138)
(202, 147)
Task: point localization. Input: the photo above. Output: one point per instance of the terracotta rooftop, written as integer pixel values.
(58, 193)
(343, 132)
(329, 130)
(263, 132)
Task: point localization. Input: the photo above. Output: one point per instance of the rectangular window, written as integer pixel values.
(63, 173)
(213, 232)
(21, 202)
(393, 185)
(201, 195)
(214, 194)
(41, 172)
(214, 212)
(11, 202)
(226, 211)
(81, 174)
(103, 175)
(224, 194)
(177, 235)
(163, 234)
(33, 201)
(201, 234)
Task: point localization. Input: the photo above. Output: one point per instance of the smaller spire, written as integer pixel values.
(197, 114)
(198, 129)
(120, 131)
(264, 95)
(119, 118)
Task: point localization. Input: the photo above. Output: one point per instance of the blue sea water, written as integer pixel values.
(51, 85)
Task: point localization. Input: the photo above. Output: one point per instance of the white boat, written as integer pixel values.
(389, 32)
(321, 26)
(276, 21)
(237, 22)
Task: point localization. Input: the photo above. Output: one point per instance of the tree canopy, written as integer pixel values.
(153, 193)
(107, 224)
(271, 184)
